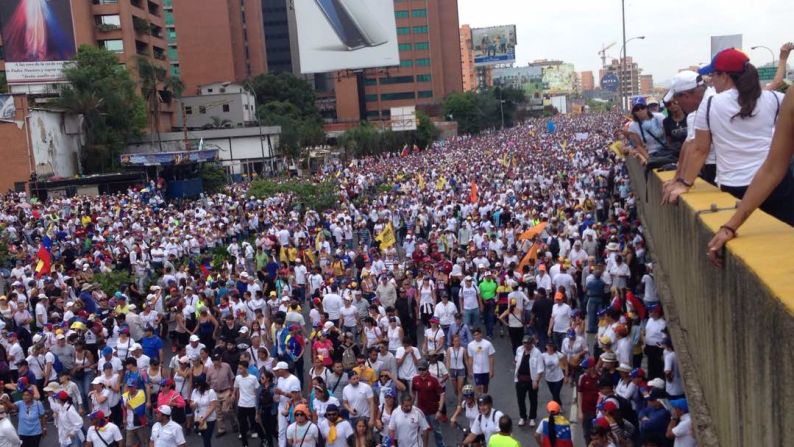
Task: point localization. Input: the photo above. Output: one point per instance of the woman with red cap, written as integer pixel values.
(68, 420)
(102, 432)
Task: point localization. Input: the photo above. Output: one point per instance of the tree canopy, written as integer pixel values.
(101, 90)
(475, 112)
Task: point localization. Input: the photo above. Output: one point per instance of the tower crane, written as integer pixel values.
(603, 53)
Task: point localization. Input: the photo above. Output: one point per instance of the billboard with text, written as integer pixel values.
(345, 34)
(38, 39)
(494, 45)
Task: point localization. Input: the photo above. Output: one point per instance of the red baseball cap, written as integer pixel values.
(729, 60)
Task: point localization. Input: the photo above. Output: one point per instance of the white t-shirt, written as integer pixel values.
(331, 304)
(690, 127)
(358, 398)
(469, 295)
(306, 435)
(349, 314)
(551, 366)
(561, 316)
(480, 353)
(285, 384)
(673, 387)
(168, 435)
(407, 370)
(683, 432)
(110, 433)
(653, 331)
(650, 128)
(247, 386)
(408, 427)
(487, 424)
(343, 431)
(650, 288)
(741, 144)
(203, 401)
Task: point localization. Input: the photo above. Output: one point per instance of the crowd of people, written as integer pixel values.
(376, 322)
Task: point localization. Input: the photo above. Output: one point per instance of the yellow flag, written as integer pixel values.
(564, 145)
(617, 148)
(441, 182)
(504, 161)
(386, 237)
(421, 181)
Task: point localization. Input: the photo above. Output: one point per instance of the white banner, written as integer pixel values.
(7, 109)
(34, 72)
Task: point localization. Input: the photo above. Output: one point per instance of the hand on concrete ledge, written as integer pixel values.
(717, 245)
(672, 191)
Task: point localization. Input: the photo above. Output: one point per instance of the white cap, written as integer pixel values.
(97, 381)
(184, 359)
(194, 337)
(328, 325)
(37, 338)
(132, 307)
(657, 383)
(683, 81)
(136, 346)
(243, 330)
(280, 365)
(164, 409)
(60, 337)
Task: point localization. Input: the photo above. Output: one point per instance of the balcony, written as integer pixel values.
(141, 25)
(107, 27)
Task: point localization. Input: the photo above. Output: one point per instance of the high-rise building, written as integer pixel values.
(467, 59)
(277, 39)
(430, 64)
(133, 29)
(646, 84)
(586, 81)
(629, 76)
(218, 40)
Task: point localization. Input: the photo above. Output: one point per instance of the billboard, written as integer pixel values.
(345, 34)
(38, 39)
(610, 82)
(529, 79)
(403, 118)
(559, 78)
(494, 45)
(719, 43)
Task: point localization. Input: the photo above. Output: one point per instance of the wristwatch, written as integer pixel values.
(684, 182)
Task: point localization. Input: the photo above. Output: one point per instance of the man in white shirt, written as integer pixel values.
(245, 390)
(674, 385)
(407, 356)
(332, 303)
(285, 384)
(359, 400)
(481, 361)
(300, 278)
(343, 433)
(487, 422)
(408, 425)
(654, 335)
(560, 320)
(680, 426)
(165, 432)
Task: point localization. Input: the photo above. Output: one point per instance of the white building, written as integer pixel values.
(218, 105)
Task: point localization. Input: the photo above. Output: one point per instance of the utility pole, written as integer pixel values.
(623, 57)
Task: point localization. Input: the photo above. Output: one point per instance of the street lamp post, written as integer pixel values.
(261, 137)
(623, 56)
(623, 65)
(767, 49)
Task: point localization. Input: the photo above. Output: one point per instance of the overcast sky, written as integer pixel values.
(677, 31)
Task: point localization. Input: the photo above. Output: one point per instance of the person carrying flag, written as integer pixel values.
(555, 430)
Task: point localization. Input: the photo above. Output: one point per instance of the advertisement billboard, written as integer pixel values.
(560, 78)
(529, 79)
(494, 45)
(403, 118)
(345, 34)
(38, 39)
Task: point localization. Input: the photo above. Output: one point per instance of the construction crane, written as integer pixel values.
(603, 53)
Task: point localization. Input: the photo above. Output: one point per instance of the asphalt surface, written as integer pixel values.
(501, 388)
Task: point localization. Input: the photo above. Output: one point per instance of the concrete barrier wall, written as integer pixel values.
(732, 327)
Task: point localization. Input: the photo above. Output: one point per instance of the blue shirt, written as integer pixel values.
(29, 418)
(656, 422)
(151, 346)
(464, 333)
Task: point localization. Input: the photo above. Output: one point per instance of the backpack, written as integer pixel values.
(348, 358)
(57, 365)
(626, 411)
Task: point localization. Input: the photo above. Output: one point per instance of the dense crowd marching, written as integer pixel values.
(392, 299)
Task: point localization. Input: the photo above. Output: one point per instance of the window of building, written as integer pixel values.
(397, 80)
(396, 96)
(114, 45)
(173, 54)
(423, 62)
(385, 113)
(420, 29)
(171, 35)
(404, 46)
(371, 98)
(373, 114)
(188, 110)
(226, 107)
(403, 30)
(169, 18)
(370, 81)
(401, 14)
(105, 2)
(112, 19)
(423, 78)
(407, 63)
(425, 93)
(419, 12)
(202, 109)
(209, 90)
(422, 46)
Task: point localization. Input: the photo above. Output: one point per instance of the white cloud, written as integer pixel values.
(677, 32)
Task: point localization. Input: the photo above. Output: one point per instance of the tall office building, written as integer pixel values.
(277, 40)
(467, 60)
(217, 40)
(629, 78)
(646, 84)
(430, 65)
(586, 81)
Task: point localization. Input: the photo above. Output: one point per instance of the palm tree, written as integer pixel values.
(218, 123)
(157, 87)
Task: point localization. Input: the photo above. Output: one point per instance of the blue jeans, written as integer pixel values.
(490, 317)
(471, 317)
(593, 306)
(435, 425)
(555, 388)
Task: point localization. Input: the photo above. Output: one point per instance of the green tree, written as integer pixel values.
(213, 177)
(361, 140)
(217, 122)
(103, 92)
(297, 130)
(473, 112)
(513, 99)
(426, 132)
(306, 194)
(285, 88)
(157, 87)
